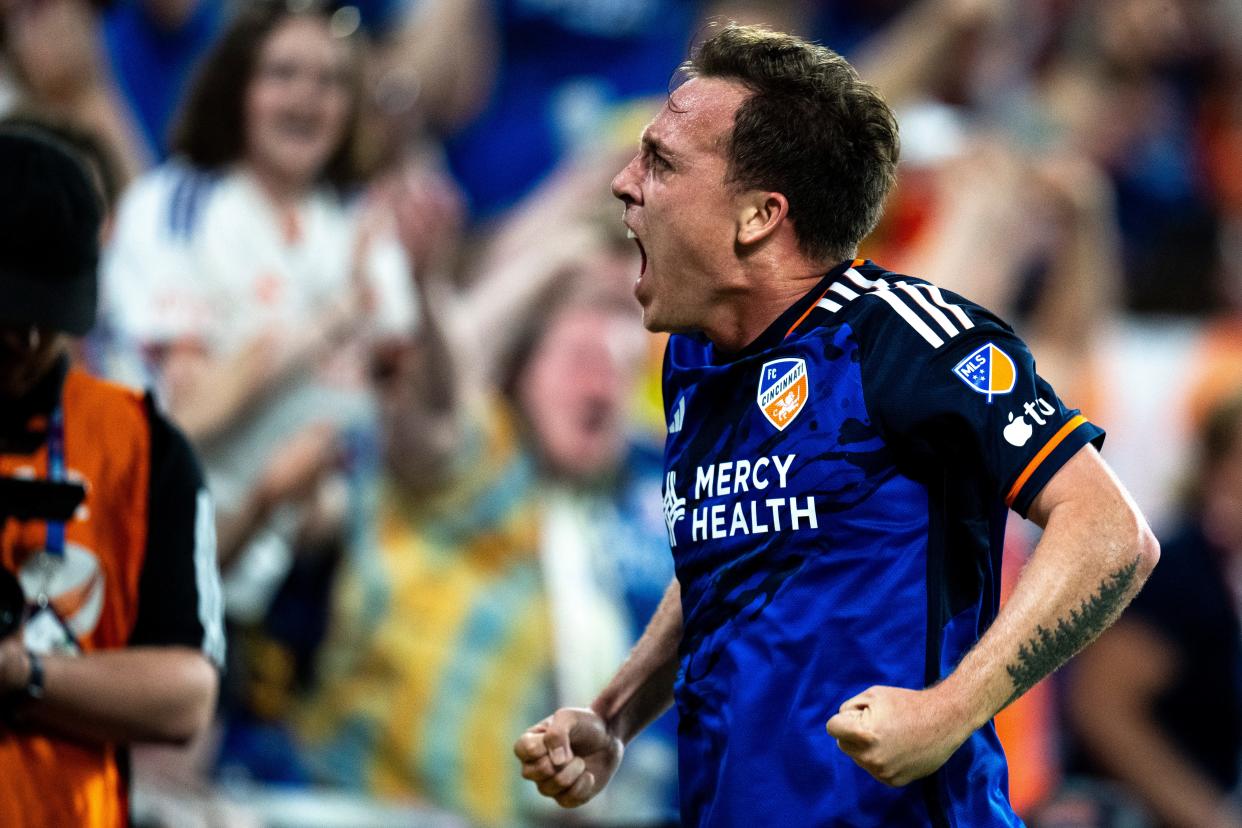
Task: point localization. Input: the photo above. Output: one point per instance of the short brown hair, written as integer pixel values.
(811, 130)
(210, 130)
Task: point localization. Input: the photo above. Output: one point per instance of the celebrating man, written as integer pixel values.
(844, 443)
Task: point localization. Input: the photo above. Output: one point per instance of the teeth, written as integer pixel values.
(630, 234)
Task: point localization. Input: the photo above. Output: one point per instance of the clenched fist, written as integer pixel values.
(898, 735)
(570, 755)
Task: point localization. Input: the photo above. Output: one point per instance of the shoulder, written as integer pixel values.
(902, 324)
(102, 400)
(173, 460)
(167, 201)
(882, 305)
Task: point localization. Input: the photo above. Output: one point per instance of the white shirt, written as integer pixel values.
(206, 257)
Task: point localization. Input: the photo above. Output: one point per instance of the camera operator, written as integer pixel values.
(108, 575)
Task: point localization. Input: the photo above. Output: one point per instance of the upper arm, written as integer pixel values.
(949, 385)
(1084, 481)
(179, 601)
(147, 274)
(1085, 497)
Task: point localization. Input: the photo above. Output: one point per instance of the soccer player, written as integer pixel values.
(844, 443)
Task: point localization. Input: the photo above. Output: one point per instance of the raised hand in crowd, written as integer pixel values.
(56, 49)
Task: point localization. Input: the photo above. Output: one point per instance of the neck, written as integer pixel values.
(283, 191)
(767, 290)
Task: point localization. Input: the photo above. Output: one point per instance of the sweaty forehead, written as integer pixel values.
(699, 113)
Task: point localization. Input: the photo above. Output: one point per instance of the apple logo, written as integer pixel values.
(1018, 431)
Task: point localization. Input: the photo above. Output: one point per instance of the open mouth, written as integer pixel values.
(596, 420)
(642, 251)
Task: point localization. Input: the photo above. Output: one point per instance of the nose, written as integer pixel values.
(625, 184)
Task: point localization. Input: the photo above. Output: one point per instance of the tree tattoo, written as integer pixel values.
(1049, 649)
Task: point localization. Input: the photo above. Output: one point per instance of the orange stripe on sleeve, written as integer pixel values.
(1048, 448)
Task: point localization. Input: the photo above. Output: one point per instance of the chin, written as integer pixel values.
(299, 165)
(652, 318)
(587, 463)
(655, 323)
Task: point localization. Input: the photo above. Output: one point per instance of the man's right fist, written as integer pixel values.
(570, 756)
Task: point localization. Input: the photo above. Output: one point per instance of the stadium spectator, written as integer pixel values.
(105, 520)
(513, 546)
(258, 285)
(255, 282)
(1156, 702)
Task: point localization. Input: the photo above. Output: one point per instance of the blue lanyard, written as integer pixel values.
(56, 473)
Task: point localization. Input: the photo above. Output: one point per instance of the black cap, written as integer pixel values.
(50, 214)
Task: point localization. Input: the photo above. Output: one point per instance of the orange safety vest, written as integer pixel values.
(44, 779)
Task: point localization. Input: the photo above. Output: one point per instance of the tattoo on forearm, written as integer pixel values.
(1049, 649)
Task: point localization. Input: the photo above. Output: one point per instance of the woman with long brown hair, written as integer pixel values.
(256, 283)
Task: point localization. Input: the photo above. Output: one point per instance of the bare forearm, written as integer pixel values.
(214, 399)
(144, 694)
(1095, 554)
(1093, 558)
(642, 689)
(906, 57)
(429, 400)
(453, 84)
(225, 389)
(235, 529)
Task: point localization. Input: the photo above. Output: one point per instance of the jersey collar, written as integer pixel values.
(792, 317)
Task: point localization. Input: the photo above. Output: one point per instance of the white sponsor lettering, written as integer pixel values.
(715, 522)
(745, 516)
(760, 481)
(1019, 431)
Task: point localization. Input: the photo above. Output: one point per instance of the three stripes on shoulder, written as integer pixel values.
(922, 306)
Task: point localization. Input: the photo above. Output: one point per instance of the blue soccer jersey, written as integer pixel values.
(836, 497)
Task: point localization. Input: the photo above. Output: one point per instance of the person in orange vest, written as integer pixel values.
(110, 627)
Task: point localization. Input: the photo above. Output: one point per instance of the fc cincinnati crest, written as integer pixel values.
(783, 390)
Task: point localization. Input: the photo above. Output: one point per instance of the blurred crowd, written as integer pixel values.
(367, 256)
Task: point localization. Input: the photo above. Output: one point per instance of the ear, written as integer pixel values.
(758, 215)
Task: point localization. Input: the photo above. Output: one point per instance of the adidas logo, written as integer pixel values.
(679, 416)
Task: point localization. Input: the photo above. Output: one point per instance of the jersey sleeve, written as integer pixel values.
(147, 274)
(950, 384)
(179, 599)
